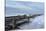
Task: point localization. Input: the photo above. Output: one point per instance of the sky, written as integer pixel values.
(23, 7)
(29, 0)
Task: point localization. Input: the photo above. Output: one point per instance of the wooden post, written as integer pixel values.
(14, 22)
(28, 19)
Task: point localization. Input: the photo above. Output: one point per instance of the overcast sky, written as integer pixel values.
(22, 7)
(30, 0)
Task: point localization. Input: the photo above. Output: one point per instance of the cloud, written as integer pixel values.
(30, 0)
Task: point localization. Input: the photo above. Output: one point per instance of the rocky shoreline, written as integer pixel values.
(11, 22)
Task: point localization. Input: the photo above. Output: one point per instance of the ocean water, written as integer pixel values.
(14, 8)
(37, 23)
